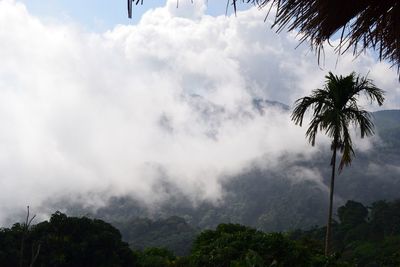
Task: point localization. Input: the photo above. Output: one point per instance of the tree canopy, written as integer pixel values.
(334, 108)
(359, 240)
(66, 241)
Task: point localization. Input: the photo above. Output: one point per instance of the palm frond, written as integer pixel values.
(318, 101)
(373, 93)
(335, 108)
(363, 24)
(301, 106)
(362, 120)
(312, 130)
(347, 148)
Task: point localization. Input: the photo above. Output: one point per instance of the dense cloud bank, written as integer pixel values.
(87, 116)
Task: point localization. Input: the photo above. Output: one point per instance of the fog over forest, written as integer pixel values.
(88, 116)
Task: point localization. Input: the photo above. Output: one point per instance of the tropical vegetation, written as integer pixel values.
(334, 108)
(274, 199)
(362, 236)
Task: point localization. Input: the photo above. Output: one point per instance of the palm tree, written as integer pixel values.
(334, 109)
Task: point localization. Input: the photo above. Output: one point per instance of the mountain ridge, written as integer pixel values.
(274, 201)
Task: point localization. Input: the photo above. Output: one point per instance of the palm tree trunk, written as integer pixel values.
(328, 226)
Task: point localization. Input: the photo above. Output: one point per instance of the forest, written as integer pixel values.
(163, 142)
(362, 236)
(271, 200)
(267, 219)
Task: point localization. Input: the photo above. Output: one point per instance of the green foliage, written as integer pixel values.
(362, 241)
(173, 233)
(359, 240)
(156, 257)
(237, 245)
(9, 245)
(271, 200)
(67, 241)
(334, 108)
(385, 218)
(352, 214)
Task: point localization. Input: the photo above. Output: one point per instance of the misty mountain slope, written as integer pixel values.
(269, 201)
(293, 196)
(261, 104)
(387, 124)
(172, 233)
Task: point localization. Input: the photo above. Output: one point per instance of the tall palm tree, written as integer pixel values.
(334, 109)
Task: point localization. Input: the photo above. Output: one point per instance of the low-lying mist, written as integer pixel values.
(86, 116)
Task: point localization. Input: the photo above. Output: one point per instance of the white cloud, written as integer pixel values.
(88, 116)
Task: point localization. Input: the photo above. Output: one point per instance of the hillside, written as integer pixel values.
(277, 200)
(172, 233)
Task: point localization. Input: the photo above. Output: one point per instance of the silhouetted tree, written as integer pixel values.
(352, 213)
(334, 109)
(65, 242)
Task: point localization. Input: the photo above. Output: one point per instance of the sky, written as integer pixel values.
(93, 105)
(101, 15)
